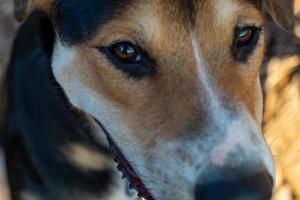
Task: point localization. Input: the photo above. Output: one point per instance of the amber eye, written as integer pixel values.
(126, 52)
(130, 59)
(245, 41)
(245, 35)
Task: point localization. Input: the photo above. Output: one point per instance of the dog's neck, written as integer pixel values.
(45, 134)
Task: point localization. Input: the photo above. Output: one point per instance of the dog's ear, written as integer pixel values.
(24, 7)
(282, 12)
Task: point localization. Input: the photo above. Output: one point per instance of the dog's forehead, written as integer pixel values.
(78, 21)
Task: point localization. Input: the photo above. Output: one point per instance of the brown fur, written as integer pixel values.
(173, 100)
(24, 7)
(172, 90)
(282, 12)
(171, 107)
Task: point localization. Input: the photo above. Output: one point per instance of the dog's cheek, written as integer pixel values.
(62, 60)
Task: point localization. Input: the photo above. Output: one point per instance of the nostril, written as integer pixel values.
(256, 187)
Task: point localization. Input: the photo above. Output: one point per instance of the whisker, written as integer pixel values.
(274, 140)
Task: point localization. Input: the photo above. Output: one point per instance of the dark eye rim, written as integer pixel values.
(145, 66)
(137, 49)
(241, 51)
(255, 30)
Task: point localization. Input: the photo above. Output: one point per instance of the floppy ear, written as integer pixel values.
(24, 7)
(282, 12)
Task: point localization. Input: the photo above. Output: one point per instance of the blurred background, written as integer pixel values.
(281, 83)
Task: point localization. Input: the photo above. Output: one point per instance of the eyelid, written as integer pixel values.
(143, 66)
(137, 48)
(250, 25)
(121, 40)
(242, 22)
(254, 29)
(243, 49)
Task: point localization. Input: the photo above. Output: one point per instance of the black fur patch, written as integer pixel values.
(40, 123)
(79, 20)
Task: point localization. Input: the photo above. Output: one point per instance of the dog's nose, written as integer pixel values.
(256, 187)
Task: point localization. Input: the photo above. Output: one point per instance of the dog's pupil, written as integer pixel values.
(125, 51)
(245, 35)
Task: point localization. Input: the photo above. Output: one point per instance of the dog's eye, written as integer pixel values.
(126, 52)
(245, 41)
(130, 58)
(245, 35)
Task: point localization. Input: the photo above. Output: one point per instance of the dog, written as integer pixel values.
(168, 89)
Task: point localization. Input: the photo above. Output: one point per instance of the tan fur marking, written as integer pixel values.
(24, 7)
(86, 158)
(226, 10)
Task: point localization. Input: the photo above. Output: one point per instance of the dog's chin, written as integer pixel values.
(126, 168)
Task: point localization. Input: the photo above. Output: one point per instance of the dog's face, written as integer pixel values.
(175, 85)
